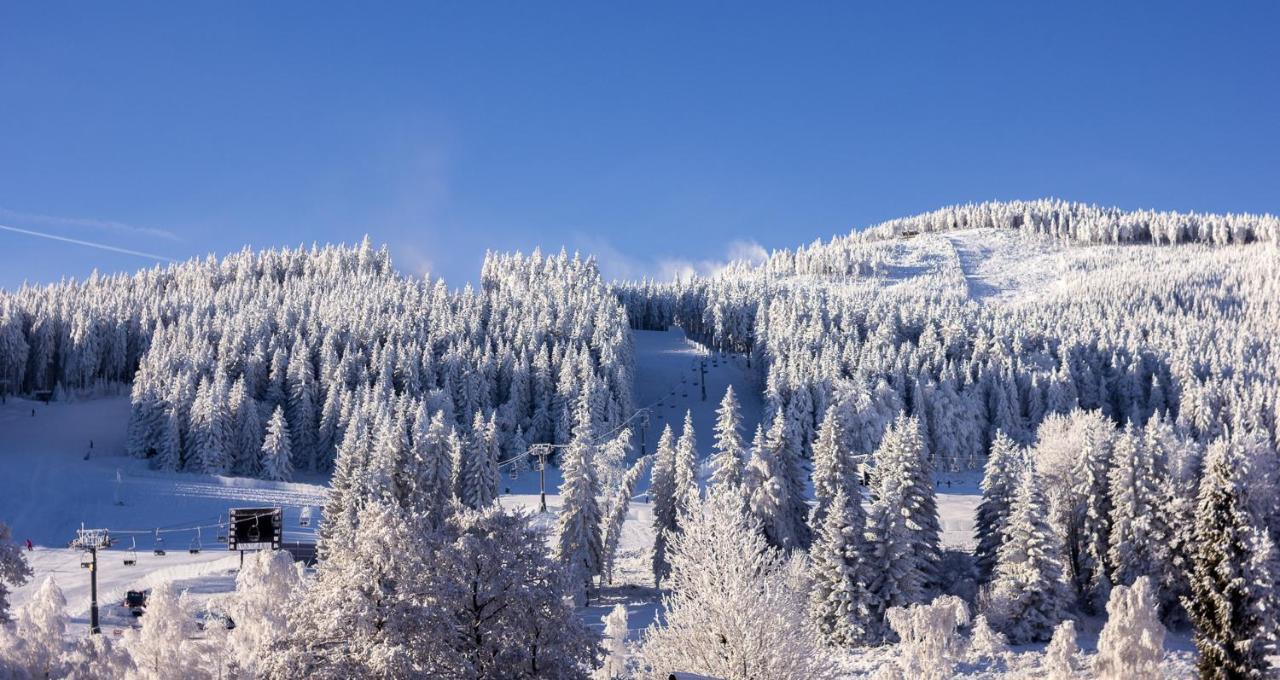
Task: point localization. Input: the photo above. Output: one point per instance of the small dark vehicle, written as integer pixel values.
(135, 601)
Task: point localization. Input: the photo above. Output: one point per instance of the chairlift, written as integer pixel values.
(85, 560)
(253, 534)
(159, 549)
(304, 520)
(514, 475)
(131, 559)
(194, 549)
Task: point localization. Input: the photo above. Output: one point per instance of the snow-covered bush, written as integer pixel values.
(985, 643)
(929, 644)
(1131, 645)
(615, 644)
(1061, 656)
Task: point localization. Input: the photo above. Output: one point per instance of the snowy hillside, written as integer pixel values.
(993, 427)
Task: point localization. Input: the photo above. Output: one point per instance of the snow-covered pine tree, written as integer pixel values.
(578, 541)
(210, 444)
(277, 458)
(784, 444)
(435, 465)
(838, 600)
(1089, 530)
(662, 495)
(727, 458)
(766, 492)
(301, 407)
(1230, 582)
(686, 476)
(14, 570)
(37, 642)
(999, 483)
(833, 470)
(246, 430)
(479, 478)
(1028, 595)
(904, 441)
(1135, 499)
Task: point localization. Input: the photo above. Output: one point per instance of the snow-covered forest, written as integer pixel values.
(1112, 378)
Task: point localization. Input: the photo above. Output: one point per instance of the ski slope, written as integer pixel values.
(48, 489)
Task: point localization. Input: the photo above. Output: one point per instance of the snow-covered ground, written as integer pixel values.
(48, 489)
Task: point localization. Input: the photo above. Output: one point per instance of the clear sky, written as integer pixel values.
(651, 134)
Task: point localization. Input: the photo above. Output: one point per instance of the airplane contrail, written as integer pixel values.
(91, 244)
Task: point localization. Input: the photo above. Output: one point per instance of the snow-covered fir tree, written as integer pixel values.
(999, 484)
(1027, 596)
(1231, 572)
(686, 475)
(14, 570)
(277, 456)
(579, 544)
(663, 496)
(728, 453)
(838, 600)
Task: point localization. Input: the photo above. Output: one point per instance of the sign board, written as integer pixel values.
(255, 529)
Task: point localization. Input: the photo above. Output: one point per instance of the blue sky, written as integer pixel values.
(654, 135)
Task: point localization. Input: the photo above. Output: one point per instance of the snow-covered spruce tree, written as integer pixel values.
(615, 645)
(97, 656)
(929, 644)
(1027, 596)
(1131, 645)
(265, 582)
(1061, 657)
(727, 458)
(479, 478)
(433, 465)
(999, 483)
(210, 430)
(765, 490)
(277, 457)
(1135, 500)
(1230, 577)
(662, 494)
(579, 546)
(37, 642)
(246, 431)
(732, 611)
(14, 570)
(893, 568)
(838, 600)
(616, 515)
(686, 466)
(301, 406)
(1089, 525)
(833, 470)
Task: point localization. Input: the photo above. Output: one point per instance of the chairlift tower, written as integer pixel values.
(91, 540)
